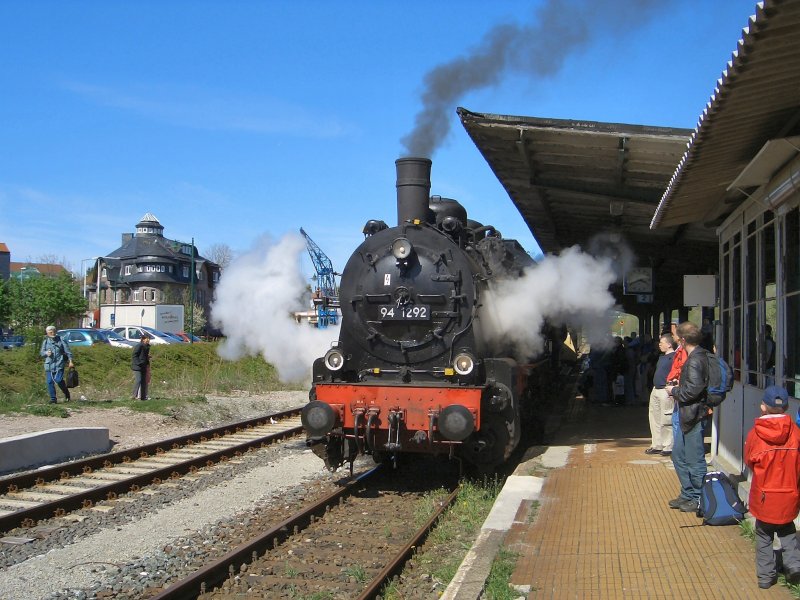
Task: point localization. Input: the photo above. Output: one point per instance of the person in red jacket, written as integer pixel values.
(772, 452)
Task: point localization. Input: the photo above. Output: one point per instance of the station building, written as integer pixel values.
(150, 269)
(719, 203)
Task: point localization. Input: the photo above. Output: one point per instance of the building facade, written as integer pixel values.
(150, 269)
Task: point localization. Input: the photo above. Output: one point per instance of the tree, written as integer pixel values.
(175, 295)
(35, 302)
(199, 322)
(5, 304)
(222, 254)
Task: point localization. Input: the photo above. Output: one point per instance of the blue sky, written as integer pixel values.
(234, 120)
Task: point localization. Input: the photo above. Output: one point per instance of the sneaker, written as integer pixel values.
(688, 506)
(666, 453)
(765, 585)
(653, 451)
(53, 402)
(676, 502)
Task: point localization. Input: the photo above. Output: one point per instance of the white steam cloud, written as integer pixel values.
(569, 289)
(254, 306)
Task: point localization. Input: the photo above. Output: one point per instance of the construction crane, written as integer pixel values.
(326, 297)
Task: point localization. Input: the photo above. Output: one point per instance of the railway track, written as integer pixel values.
(348, 544)
(52, 492)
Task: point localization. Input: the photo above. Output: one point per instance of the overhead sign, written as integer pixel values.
(699, 290)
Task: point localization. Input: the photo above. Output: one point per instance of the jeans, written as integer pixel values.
(56, 377)
(689, 457)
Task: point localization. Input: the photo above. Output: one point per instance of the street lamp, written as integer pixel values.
(84, 261)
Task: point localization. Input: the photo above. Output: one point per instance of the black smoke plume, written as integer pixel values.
(538, 49)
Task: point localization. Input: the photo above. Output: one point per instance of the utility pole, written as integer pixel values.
(99, 310)
(191, 298)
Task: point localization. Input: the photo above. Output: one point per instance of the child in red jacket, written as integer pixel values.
(772, 452)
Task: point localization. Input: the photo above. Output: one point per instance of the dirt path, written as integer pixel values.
(127, 428)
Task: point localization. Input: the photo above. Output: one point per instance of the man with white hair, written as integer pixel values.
(56, 353)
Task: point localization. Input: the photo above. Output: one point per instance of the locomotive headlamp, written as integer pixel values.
(464, 363)
(334, 359)
(401, 248)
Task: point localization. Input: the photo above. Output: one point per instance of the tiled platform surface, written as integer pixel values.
(603, 529)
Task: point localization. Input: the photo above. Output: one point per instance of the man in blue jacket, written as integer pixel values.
(55, 352)
(688, 451)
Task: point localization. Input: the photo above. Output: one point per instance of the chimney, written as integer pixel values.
(413, 189)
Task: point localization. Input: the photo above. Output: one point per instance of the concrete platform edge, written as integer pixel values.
(470, 579)
(33, 450)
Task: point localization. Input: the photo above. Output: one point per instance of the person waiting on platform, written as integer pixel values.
(688, 450)
(772, 453)
(661, 404)
(769, 355)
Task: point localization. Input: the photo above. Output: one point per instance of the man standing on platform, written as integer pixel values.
(688, 451)
(661, 403)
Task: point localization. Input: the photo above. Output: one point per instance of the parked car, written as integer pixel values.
(187, 337)
(83, 337)
(135, 332)
(11, 341)
(117, 340)
(174, 336)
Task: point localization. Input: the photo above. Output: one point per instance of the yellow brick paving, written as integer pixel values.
(603, 529)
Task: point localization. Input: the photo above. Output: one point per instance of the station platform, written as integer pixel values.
(602, 528)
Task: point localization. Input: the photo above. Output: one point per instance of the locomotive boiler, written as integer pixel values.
(413, 370)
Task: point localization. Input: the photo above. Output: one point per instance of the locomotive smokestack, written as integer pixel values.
(413, 188)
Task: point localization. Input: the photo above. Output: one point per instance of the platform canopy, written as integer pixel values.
(572, 180)
(753, 115)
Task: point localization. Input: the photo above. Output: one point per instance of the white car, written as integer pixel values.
(134, 333)
(117, 340)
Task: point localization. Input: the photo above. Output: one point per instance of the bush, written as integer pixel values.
(185, 371)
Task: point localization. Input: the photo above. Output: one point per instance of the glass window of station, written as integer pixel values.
(760, 297)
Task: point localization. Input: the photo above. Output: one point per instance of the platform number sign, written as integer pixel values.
(387, 279)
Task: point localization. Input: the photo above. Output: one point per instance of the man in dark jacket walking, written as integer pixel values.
(140, 363)
(688, 451)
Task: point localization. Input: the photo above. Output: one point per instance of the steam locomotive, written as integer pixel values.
(413, 370)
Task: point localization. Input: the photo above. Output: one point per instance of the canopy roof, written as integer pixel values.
(571, 180)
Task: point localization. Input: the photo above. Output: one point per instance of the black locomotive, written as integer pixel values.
(412, 370)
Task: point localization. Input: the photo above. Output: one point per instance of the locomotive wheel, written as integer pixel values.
(486, 448)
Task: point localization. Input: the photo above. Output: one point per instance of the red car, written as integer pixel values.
(186, 337)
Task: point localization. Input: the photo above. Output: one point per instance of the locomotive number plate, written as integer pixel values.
(415, 312)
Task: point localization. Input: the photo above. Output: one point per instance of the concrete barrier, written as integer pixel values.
(33, 450)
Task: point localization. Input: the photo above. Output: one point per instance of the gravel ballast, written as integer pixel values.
(91, 562)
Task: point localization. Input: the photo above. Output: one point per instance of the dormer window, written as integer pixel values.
(128, 269)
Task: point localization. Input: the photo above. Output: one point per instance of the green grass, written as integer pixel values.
(181, 373)
(497, 587)
(461, 525)
(357, 572)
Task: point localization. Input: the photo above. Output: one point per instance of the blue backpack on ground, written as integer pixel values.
(719, 502)
(720, 380)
